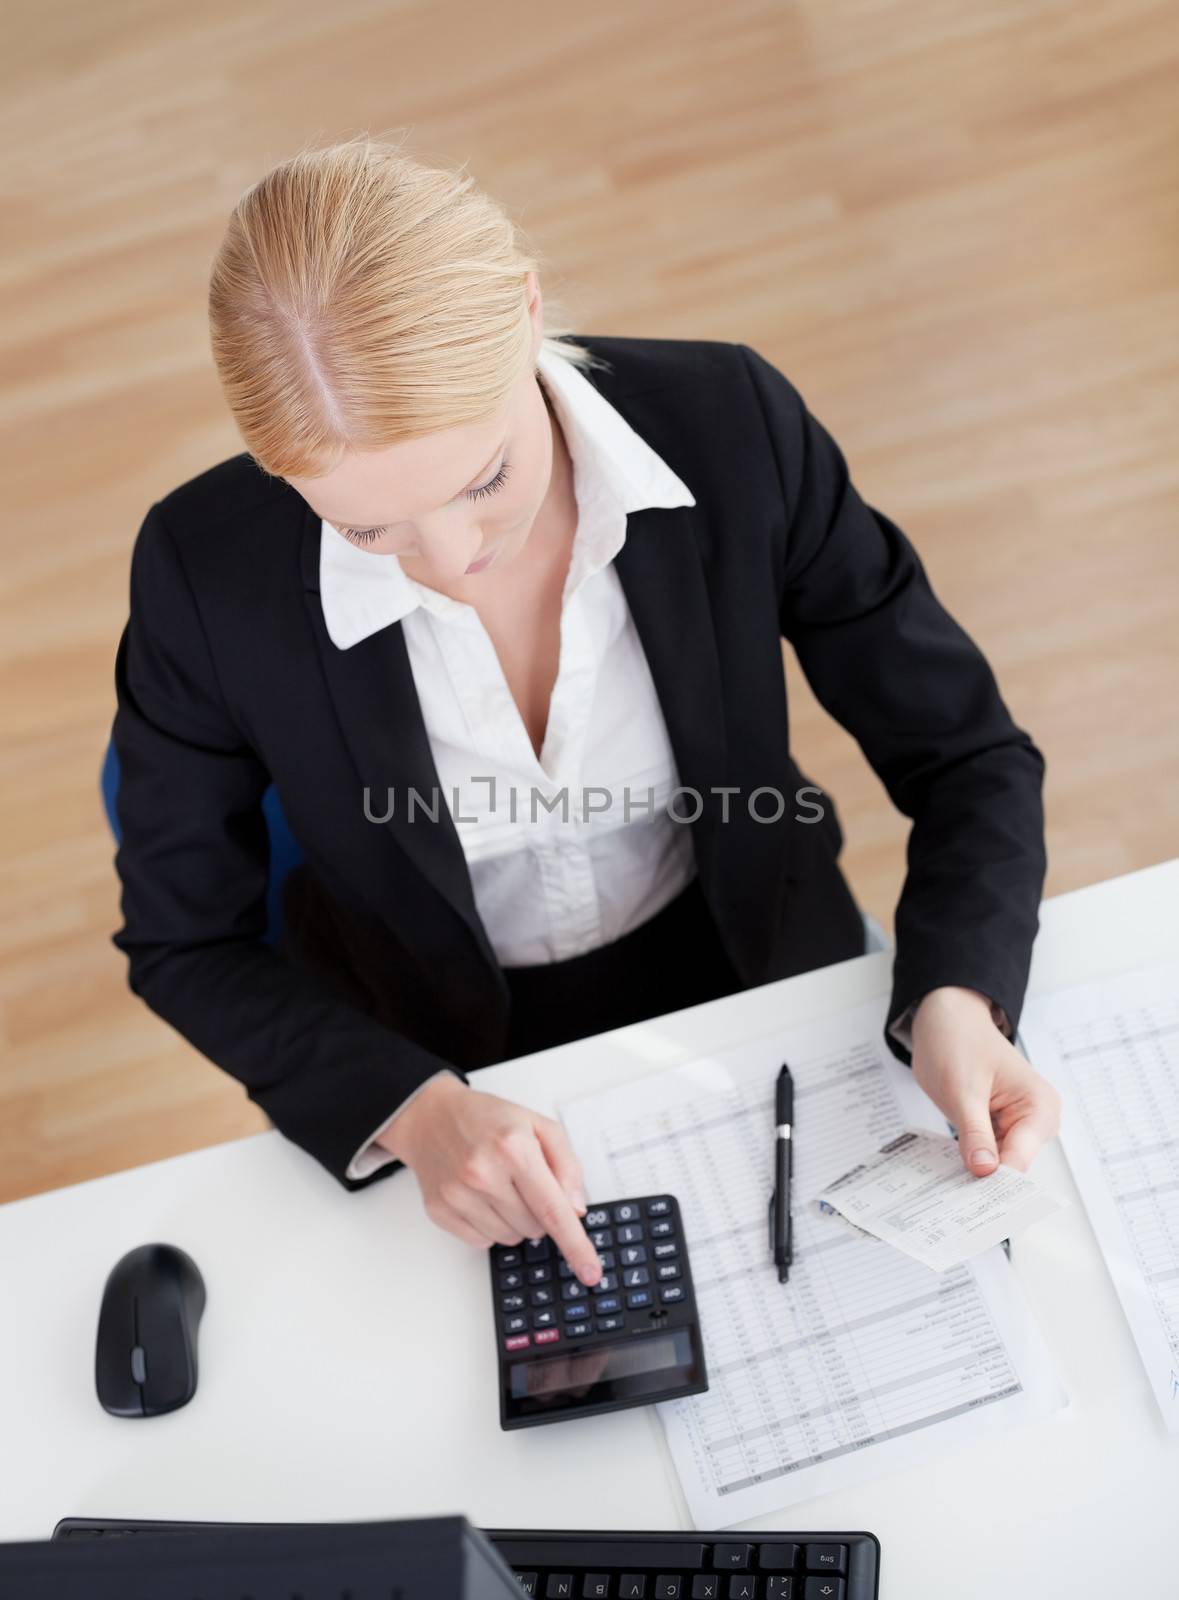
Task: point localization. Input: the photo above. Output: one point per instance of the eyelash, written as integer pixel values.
(492, 486)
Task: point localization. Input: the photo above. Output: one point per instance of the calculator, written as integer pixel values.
(567, 1350)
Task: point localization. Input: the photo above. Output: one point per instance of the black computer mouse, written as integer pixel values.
(146, 1358)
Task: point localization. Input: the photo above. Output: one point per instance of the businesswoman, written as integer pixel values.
(499, 613)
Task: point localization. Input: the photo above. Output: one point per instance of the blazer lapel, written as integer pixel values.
(662, 572)
(376, 703)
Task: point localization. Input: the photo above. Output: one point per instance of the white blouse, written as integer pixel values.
(572, 849)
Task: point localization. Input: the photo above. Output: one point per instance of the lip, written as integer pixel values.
(483, 562)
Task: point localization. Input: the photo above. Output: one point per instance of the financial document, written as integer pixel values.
(865, 1360)
(1112, 1050)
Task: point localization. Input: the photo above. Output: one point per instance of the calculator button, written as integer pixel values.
(626, 1213)
(565, 1269)
(573, 1290)
(743, 1587)
(659, 1208)
(668, 1271)
(539, 1274)
(824, 1588)
(512, 1302)
(732, 1557)
(606, 1259)
(536, 1250)
(601, 1238)
(634, 1255)
(596, 1219)
(826, 1558)
(609, 1305)
(578, 1330)
(527, 1581)
(541, 1297)
(636, 1277)
(510, 1280)
(559, 1586)
(611, 1324)
(641, 1297)
(576, 1313)
(632, 1586)
(660, 1230)
(508, 1258)
(543, 1319)
(705, 1586)
(782, 1589)
(596, 1586)
(606, 1284)
(547, 1336)
(516, 1324)
(631, 1235)
(777, 1557)
(672, 1294)
(518, 1341)
(663, 1251)
(669, 1588)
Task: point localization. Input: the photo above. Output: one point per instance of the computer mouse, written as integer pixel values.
(146, 1357)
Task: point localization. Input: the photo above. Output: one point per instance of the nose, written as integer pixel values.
(449, 551)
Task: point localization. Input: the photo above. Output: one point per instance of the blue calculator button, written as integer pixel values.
(610, 1303)
(576, 1313)
(641, 1297)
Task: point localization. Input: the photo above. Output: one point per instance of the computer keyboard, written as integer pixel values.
(584, 1565)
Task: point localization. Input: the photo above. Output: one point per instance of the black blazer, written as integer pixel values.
(226, 679)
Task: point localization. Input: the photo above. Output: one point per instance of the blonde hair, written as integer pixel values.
(360, 297)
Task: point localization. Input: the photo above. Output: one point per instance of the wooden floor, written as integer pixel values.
(953, 226)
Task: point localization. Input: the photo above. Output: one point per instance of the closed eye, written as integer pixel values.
(492, 486)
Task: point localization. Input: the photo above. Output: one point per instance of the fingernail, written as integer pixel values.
(579, 1201)
(984, 1158)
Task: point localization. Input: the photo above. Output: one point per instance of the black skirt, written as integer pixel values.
(672, 960)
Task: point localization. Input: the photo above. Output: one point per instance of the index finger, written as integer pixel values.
(553, 1208)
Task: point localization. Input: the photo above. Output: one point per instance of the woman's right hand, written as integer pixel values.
(493, 1172)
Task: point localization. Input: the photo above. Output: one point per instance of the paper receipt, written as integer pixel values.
(916, 1194)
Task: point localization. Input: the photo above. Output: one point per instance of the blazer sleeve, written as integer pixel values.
(193, 864)
(891, 665)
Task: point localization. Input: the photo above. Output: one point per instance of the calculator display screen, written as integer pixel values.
(628, 1369)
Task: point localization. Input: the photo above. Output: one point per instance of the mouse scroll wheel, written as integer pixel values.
(139, 1364)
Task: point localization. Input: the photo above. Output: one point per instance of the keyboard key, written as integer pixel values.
(671, 1294)
(779, 1588)
(706, 1586)
(527, 1581)
(596, 1586)
(559, 1586)
(606, 1284)
(540, 1274)
(664, 1251)
(669, 1269)
(601, 1238)
(633, 1255)
(605, 1259)
(512, 1302)
(826, 1558)
(631, 1235)
(507, 1258)
(608, 1306)
(547, 1336)
(573, 1290)
(732, 1557)
(576, 1312)
(743, 1586)
(632, 1586)
(824, 1588)
(545, 1318)
(777, 1557)
(536, 1250)
(518, 1341)
(516, 1324)
(669, 1588)
(659, 1208)
(611, 1324)
(662, 1230)
(636, 1277)
(578, 1330)
(641, 1297)
(596, 1219)
(626, 1212)
(541, 1297)
(511, 1280)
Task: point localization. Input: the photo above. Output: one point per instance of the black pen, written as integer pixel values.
(781, 1230)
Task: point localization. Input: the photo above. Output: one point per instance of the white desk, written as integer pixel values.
(348, 1369)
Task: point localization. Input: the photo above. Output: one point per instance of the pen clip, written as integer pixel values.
(773, 1240)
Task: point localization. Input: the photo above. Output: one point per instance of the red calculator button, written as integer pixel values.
(520, 1341)
(547, 1335)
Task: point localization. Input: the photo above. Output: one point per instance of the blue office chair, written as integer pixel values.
(284, 849)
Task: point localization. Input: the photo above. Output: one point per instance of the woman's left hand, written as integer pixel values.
(1001, 1106)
